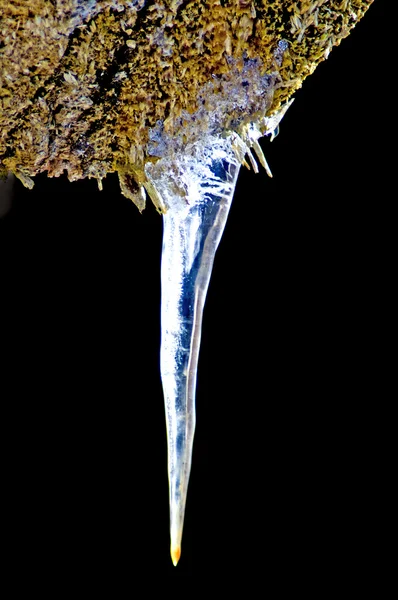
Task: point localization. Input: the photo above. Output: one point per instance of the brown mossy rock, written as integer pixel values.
(82, 83)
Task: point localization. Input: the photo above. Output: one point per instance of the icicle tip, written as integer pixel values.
(175, 552)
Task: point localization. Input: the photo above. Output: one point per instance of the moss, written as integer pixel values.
(82, 84)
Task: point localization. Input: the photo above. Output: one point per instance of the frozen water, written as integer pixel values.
(191, 180)
(193, 226)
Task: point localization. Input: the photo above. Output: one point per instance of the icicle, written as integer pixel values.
(197, 191)
(191, 179)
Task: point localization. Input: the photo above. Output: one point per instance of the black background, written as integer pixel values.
(288, 326)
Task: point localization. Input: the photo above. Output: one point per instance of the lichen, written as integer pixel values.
(84, 85)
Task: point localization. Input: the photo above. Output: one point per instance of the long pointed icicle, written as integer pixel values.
(193, 226)
(191, 180)
(190, 240)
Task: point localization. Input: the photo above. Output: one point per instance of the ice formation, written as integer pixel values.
(192, 182)
(193, 227)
